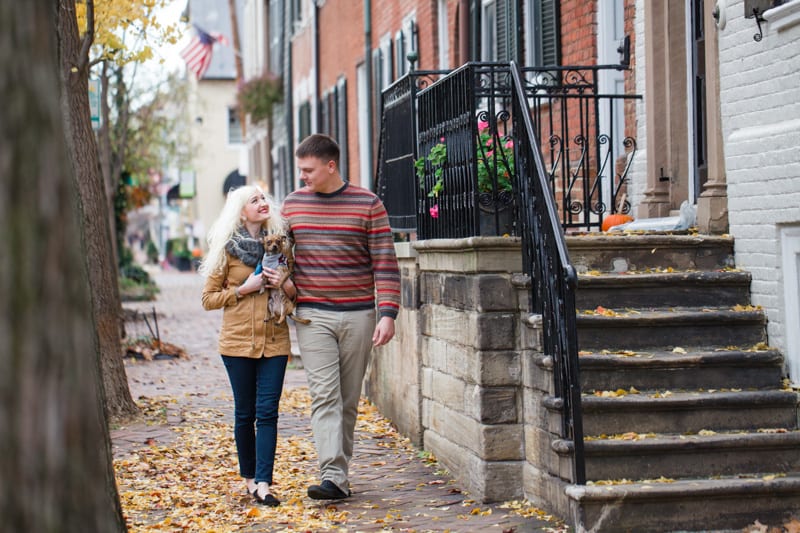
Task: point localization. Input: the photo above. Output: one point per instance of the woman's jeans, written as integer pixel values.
(257, 385)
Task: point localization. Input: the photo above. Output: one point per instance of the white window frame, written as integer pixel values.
(488, 31)
(444, 34)
(790, 259)
(234, 139)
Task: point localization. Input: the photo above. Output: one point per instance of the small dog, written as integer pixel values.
(278, 255)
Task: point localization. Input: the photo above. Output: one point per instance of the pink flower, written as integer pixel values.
(441, 139)
(482, 125)
(434, 210)
(489, 153)
(510, 143)
(490, 141)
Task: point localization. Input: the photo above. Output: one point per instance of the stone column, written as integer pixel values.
(712, 206)
(665, 101)
(471, 369)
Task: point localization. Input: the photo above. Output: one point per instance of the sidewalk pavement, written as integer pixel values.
(392, 490)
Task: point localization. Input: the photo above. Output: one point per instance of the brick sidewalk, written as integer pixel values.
(384, 481)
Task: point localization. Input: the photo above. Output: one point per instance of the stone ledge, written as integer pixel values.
(473, 254)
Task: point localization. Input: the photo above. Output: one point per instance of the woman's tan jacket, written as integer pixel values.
(244, 332)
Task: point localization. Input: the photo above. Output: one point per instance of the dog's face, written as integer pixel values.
(274, 244)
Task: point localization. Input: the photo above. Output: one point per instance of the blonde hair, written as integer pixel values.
(230, 220)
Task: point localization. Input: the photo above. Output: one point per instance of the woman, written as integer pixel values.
(254, 350)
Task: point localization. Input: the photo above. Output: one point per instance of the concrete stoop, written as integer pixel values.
(725, 503)
(687, 424)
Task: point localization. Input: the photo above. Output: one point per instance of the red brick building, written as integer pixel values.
(335, 61)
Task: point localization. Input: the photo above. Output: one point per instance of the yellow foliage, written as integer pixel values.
(118, 23)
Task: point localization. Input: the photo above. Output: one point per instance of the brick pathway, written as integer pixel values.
(386, 482)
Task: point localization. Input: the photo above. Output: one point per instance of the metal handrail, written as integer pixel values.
(553, 278)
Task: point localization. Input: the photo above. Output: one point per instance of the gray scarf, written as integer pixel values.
(244, 247)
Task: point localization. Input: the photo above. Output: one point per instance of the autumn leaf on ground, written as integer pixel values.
(792, 526)
(740, 307)
(612, 394)
(760, 347)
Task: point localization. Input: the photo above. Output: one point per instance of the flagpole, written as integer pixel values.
(237, 60)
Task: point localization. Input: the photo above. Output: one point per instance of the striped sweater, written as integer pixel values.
(344, 251)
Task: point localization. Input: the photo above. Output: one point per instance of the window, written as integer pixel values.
(276, 37)
(499, 30)
(790, 258)
(234, 126)
(489, 30)
(405, 41)
(341, 129)
(542, 34)
(386, 67)
(304, 121)
(333, 119)
(297, 12)
(507, 30)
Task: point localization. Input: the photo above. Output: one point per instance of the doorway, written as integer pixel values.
(698, 102)
(611, 115)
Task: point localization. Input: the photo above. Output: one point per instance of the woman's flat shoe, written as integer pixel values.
(269, 500)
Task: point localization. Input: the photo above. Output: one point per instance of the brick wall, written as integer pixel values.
(341, 51)
(760, 107)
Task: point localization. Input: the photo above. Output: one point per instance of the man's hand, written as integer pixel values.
(384, 331)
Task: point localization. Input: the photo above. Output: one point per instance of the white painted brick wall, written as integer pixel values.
(760, 104)
(637, 176)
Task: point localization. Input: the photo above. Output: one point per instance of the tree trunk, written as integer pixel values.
(96, 232)
(105, 158)
(56, 473)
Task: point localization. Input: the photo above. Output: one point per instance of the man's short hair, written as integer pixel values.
(320, 146)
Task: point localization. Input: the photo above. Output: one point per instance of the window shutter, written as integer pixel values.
(341, 130)
(275, 37)
(324, 115)
(400, 50)
(507, 30)
(297, 11)
(304, 121)
(549, 36)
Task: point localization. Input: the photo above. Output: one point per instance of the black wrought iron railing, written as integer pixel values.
(471, 192)
(397, 149)
(553, 278)
(586, 152)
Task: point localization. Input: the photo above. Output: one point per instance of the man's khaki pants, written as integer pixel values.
(335, 349)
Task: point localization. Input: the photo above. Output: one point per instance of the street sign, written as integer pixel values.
(187, 189)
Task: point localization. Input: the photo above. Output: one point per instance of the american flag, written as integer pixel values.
(198, 53)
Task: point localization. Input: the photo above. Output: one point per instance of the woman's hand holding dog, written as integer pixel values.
(272, 277)
(253, 283)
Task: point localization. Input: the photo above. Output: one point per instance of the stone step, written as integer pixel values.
(679, 327)
(627, 252)
(685, 505)
(682, 456)
(667, 289)
(689, 412)
(661, 370)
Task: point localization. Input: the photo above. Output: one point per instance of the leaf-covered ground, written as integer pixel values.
(192, 483)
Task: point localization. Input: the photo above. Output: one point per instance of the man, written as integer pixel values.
(344, 265)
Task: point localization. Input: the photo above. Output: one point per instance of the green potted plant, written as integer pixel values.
(258, 96)
(494, 158)
(437, 157)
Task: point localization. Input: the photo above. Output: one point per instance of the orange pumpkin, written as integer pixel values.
(615, 220)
